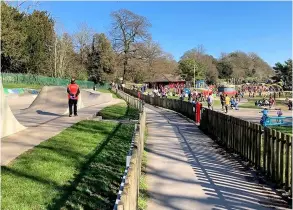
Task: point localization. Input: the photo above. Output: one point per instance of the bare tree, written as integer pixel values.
(82, 39)
(195, 53)
(148, 52)
(128, 28)
(25, 5)
(59, 28)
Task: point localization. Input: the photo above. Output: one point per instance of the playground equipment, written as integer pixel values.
(202, 87)
(201, 84)
(186, 91)
(273, 121)
(229, 90)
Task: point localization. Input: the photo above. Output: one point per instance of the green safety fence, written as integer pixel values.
(45, 81)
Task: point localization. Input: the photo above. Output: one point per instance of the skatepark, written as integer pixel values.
(29, 119)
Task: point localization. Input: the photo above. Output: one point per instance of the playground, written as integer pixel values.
(250, 99)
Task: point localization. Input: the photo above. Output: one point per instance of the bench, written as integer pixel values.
(273, 121)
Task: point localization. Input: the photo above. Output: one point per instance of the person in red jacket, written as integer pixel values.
(73, 92)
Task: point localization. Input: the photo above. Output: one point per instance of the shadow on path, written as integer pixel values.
(47, 113)
(227, 183)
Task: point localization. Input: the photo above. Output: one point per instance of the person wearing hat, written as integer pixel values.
(73, 92)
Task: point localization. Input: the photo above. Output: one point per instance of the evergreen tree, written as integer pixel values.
(101, 59)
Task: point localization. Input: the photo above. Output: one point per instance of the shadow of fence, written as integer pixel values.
(267, 150)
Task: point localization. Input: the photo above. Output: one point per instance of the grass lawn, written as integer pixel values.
(114, 95)
(143, 194)
(21, 85)
(80, 168)
(250, 104)
(119, 111)
(283, 129)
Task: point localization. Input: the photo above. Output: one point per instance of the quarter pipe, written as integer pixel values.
(9, 124)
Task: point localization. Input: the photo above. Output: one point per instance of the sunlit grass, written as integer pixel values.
(80, 168)
(119, 111)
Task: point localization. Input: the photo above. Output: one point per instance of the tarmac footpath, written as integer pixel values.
(186, 170)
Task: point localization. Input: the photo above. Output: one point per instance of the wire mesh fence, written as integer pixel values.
(46, 81)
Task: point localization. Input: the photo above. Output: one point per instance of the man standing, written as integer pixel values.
(210, 101)
(227, 103)
(222, 99)
(73, 92)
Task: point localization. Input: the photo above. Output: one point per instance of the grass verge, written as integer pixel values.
(114, 95)
(283, 129)
(119, 112)
(21, 85)
(251, 105)
(80, 168)
(143, 193)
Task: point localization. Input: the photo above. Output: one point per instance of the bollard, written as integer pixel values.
(197, 112)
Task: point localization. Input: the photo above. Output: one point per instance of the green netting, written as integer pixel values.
(45, 81)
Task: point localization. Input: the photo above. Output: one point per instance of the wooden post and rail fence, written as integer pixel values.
(129, 197)
(267, 150)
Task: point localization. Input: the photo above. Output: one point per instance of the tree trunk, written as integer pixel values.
(55, 57)
(124, 68)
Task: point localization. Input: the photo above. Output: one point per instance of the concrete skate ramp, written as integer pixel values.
(9, 124)
(52, 99)
(18, 102)
(52, 102)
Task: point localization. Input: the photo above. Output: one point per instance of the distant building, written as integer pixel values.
(165, 79)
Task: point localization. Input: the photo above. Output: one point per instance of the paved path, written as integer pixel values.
(41, 128)
(186, 170)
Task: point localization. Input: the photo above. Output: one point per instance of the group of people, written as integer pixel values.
(260, 90)
(265, 102)
(171, 90)
(228, 102)
(116, 85)
(194, 96)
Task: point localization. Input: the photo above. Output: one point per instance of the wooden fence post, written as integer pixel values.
(273, 154)
(259, 146)
(287, 162)
(269, 151)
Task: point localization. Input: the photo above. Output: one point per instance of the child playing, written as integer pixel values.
(279, 113)
(236, 105)
(265, 113)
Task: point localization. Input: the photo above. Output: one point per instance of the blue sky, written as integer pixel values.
(261, 27)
